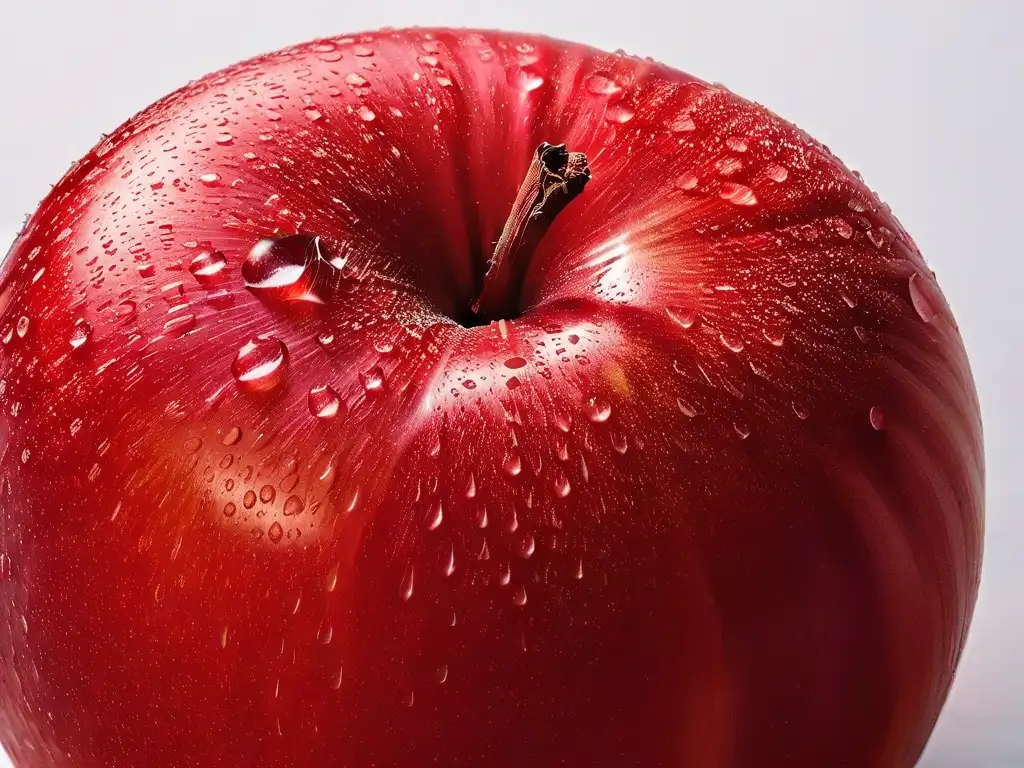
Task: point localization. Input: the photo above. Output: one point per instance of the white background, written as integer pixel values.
(922, 96)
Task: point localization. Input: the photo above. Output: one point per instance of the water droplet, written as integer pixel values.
(681, 124)
(408, 582)
(260, 363)
(469, 384)
(682, 316)
(515, 363)
(520, 596)
(224, 638)
(436, 517)
(563, 421)
(224, 138)
(686, 181)
(292, 268)
(373, 380)
(293, 505)
(325, 338)
(560, 485)
(742, 430)
(336, 683)
(738, 194)
(844, 229)
(313, 114)
(737, 143)
(178, 326)
(732, 343)
(233, 436)
(208, 266)
(324, 402)
(527, 546)
(877, 418)
(598, 410)
(530, 81)
(449, 567)
(363, 51)
(275, 533)
(267, 493)
(619, 442)
(249, 500)
(922, 295)
(800, 411)
(778, 173)
(513, 464)
(80, 333)
(366, 114)
(210, 179)
(356, 81)
(22, 327)
(513, 382)
(126, 309)
(602, 84)
(774, 336)
(619, 113)
(230, 509)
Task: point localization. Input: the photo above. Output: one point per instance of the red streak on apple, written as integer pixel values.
(319, 451)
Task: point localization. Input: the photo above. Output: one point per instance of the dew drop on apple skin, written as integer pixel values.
(324, 402)
(598, 410)
(260, 363)
(208, 267)
(80, 334)
(292, 268)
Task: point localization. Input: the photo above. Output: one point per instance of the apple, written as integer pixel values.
(462, 398)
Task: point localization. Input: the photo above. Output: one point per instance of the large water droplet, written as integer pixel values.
(292, 268)
(260, 363)
(373, 380)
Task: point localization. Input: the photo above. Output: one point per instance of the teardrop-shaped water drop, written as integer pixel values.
(80, 333)
(208, 267)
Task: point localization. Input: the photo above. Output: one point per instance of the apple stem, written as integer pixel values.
(554, 178)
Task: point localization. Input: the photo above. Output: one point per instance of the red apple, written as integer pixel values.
(350, 419)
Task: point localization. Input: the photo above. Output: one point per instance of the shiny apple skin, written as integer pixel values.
(714, 497)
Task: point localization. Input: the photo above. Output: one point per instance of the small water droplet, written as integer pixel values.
(293, 505)
(373, 380)
(530, 81)
(520, 596)
(408, 582)
(738, 194)
(619, 442)
(527, 546)
(210, 179)
(208, 267)
(877, 418)
(224, 138)
(737, 143)
(267, 493)
(602, 84)
(249, 500)
(233, 436)
(922, 295)
(22, 327)
(513, 464)
(778, 173)
(682, 316)
(563, 421)
(179, 325)
(742, 430)
(774, 336)
(686, 181)
(363, 51)
(730, 342)
(436, 517)
(619, 113)
(560, 485)
(275, 533)
(313, 114)
(469, 384)
(260, 363)
(682, 124)
(230, 509)
(324, 402)
(598, 410)
(800, 411)
(515, 363)
(449, 566)
(366, 114)
(80, 333)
